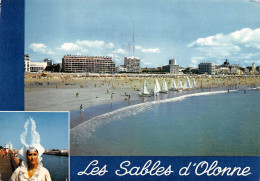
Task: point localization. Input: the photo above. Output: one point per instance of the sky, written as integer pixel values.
(189, 31)
(52, 127)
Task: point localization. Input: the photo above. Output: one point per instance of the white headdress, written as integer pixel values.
(34, 141)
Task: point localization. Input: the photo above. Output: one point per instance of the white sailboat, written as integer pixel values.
(179, 85)
(164, 87)
(194, 85)
(155, 90)
(173, 86)
(144, 92)
(157, 85)
(187, 84)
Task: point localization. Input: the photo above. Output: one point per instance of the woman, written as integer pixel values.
(31, 168)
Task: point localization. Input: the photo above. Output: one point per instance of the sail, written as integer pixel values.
(173, 85)
(179, 85)
(155, 90)
(194, 83)
(187, 84)
(144, 88)
(164, 86)
(157, 85)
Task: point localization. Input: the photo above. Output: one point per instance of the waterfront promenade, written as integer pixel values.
(7, 167)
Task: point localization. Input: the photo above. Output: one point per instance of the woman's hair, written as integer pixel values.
(32, 149)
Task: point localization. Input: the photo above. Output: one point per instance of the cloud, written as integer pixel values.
(70, 47)
(40, 48)
(120, 51)
(137, 47)
(146, 63)
(257, 2)
(226, 45)
(110, 45)
(151, 50)
(92, 44)
(195, 61)
(249, 62)
(148, 50)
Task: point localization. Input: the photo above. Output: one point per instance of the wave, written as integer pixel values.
(87, 128)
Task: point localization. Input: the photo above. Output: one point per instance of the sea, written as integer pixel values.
(58, 166)
(191, 123)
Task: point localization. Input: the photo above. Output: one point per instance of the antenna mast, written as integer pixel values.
(133, 39)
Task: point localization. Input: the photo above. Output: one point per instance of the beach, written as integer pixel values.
(67, 91)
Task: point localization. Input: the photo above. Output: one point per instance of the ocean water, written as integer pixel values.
(57, 166)
(197, 124)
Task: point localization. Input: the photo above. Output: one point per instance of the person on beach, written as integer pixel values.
(81, 108)
(31, 167)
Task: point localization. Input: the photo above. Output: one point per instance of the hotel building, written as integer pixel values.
(90, 64)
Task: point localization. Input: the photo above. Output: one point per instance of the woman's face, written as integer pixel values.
(32, 157)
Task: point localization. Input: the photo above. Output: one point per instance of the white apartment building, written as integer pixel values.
(208, 68)
(174, 68)
(27, 60)
(37, 66)
(132, 64)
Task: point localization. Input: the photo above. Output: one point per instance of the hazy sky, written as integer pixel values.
(52, 127)
(191, 31)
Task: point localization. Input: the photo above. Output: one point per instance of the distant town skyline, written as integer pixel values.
(191, 32)
(52, 127)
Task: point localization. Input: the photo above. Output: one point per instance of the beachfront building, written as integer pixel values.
(37, 66)
(121, 68)
(90, 64)
(222, 70)
(236, 70)
(208, 68)
(174, 68)
(166, 68)
(27, 60)
(132, 64)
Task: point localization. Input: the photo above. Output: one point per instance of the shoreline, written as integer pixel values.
(101, 131)
(78, 117)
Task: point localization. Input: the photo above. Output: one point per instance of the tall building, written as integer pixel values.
(132, 64)
(174, 68)
(27, 60)
(90, 64)
(208, 68)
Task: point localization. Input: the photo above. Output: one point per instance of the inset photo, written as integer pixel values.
(34, 146)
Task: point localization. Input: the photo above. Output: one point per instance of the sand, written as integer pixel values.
(66, 92)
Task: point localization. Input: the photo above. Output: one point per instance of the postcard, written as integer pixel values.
(155, 90)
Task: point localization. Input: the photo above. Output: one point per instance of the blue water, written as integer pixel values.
(222, 124)
(57, 166)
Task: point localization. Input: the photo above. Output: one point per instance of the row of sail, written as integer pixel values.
(172, 87)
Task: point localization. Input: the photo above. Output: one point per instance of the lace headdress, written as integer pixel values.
(30, 140)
